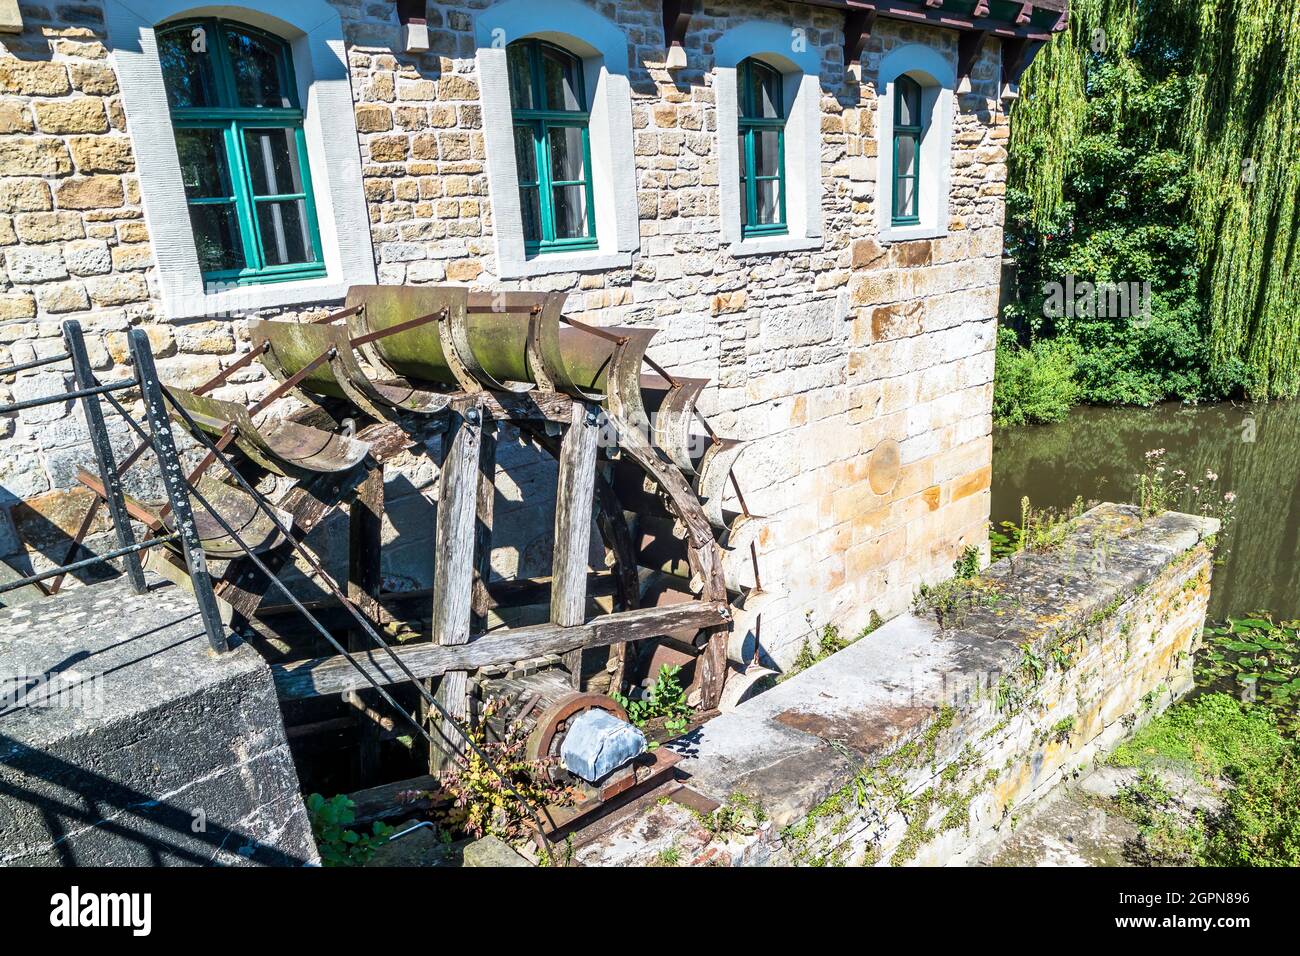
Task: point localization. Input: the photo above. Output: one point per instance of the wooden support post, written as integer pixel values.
(453, 573)
(365, 580)
(858, 25)
(574, 494)
(483, 506)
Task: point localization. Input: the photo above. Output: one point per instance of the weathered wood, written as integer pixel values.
(483, 507)
(703, 553)
(531, 406)
(620, 551)
(619, 548)
(334, 675)
(574, 494)
(243, 586)
(453, 573)
(365, 534)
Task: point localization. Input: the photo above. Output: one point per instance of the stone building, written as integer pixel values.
(806, 200)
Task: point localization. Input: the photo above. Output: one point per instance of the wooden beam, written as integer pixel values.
(858, 25)
(574, 495)
(365, 580)
(1016, 57)
(453, 572)
(677, 20)
(968, 50)
(334, 675)
(484, 504)
(915, 11)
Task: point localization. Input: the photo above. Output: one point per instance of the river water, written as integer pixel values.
(1099, 452)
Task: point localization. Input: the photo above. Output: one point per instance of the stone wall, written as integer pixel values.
(920, 743)
(819, 358)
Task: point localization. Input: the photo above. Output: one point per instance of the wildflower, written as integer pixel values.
(1230, 496)
(1210, 476)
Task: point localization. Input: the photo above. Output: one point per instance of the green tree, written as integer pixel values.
(1159, 141)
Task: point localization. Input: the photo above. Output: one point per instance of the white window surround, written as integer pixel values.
(315, 35)
(937, 76)
(775, 45)
(603, 49)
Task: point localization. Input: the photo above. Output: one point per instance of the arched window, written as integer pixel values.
(551, 115)
(239, 135)
(761, 129)
(908, 130)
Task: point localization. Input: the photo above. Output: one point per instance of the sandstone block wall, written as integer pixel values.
(919, 743)
(818, 358)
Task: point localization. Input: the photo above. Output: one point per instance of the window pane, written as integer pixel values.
(764, 94)
(521, 76)
(560, 80)
(530, 207)
(905, 156)
(769, 201)
(283, 228)
(187, 74)
(202, 154)
(570, 212)
(255, 62)
(216, 237)
(767, 152)
(905, 197)
(273, 161)
(525, 154)
(740, 150)
(744, 204)
(909, 102)
(566, 153)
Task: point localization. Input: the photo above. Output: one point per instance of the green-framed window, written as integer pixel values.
(907, 151)
(761, 143)
(238, 127)
(549, 109)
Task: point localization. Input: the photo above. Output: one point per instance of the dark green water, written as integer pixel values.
(1098, 453)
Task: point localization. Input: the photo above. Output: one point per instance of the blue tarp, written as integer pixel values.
(597, 743)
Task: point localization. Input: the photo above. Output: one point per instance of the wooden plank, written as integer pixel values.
(365, 580)
(573, 500)
(334, 675)
(453, 573)
(532, 406)
(483, 506)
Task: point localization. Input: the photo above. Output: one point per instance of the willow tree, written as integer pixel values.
(1240, 130)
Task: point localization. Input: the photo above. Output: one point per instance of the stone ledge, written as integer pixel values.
(798, 744)
(125, 741)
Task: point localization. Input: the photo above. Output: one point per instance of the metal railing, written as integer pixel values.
(88, 391)
(180, 489)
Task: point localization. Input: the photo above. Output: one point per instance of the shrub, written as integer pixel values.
(1036, 384)
(338, 843)
(1227, 742)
